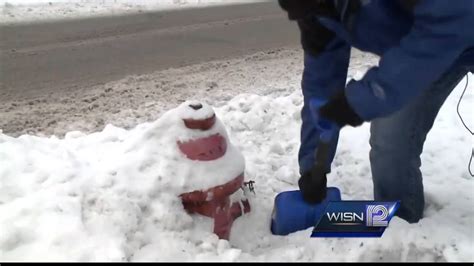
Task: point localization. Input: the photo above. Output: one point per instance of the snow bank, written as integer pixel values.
(95, 189)
(111, 195)
(34, 10)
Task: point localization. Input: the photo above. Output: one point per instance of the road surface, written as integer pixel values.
(44, 58)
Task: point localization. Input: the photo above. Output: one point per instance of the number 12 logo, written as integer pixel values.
(377, 216)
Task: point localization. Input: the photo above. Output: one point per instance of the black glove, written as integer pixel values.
(302, 8)
(338, 110)
(313, 185)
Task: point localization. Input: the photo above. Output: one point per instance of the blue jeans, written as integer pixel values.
(397, 143)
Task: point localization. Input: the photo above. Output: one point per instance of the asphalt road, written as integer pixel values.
(73, 55)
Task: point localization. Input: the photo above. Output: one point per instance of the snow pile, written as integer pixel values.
(33, 10)
(111, 195)
(95, 189)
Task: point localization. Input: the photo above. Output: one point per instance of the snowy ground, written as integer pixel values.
(21, 11)
(95, 196)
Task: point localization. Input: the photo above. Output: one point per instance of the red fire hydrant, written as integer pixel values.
(214, 202)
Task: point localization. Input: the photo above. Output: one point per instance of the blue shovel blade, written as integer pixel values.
(291, 213)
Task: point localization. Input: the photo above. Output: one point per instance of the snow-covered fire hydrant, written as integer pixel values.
(225, 200)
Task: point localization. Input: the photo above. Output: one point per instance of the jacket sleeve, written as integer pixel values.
(326, 60)
(442, 30)
(325, 72)
(326, 57)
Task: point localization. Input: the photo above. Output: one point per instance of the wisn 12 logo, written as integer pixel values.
(355, 219)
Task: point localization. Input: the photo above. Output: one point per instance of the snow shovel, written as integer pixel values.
(290, 212)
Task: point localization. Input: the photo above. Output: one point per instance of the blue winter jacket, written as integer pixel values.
(415, 47)
(415, 50)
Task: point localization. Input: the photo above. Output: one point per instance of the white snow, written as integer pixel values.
(112, 195)
(203, 113)
(21, 11)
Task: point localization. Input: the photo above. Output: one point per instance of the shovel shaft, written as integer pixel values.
(327, 132)
(321, 158)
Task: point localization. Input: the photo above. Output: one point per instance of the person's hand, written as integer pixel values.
(339, 111)
(299, 9)
(296, 9)
(313, 184)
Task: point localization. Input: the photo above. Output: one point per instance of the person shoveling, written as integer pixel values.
(426, 48)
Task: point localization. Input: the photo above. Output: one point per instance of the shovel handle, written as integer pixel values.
(327, 131)
(326, 127)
